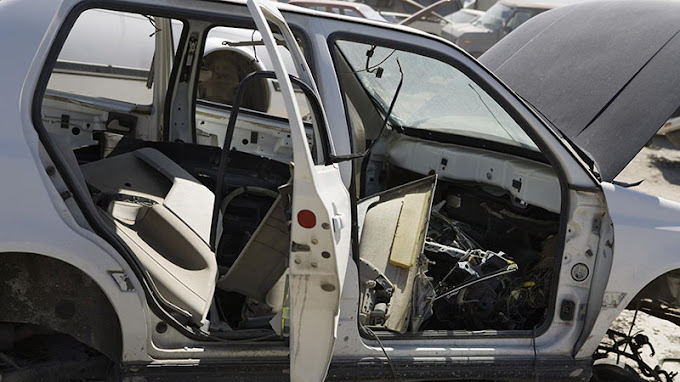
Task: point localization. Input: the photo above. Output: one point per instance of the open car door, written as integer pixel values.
(321, 222)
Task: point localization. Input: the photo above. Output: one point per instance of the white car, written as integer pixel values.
(435, 17)
(422, 222)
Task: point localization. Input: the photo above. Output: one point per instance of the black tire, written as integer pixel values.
(614, 373)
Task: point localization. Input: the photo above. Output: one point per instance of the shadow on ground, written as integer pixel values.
(668, 165)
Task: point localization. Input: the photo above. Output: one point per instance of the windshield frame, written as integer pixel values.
(568, 165)
(514, 145)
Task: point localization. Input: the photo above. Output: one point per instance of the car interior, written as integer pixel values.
(458, 210)
(491, 244)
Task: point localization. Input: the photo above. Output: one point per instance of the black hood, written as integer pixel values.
(606, 74)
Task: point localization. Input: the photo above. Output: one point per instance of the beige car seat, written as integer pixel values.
(163, 214)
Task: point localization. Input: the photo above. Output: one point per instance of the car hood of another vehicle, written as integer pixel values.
(604, 73)
(459, 29)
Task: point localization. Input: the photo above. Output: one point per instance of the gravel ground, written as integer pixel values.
(658, 165)
(663, 335)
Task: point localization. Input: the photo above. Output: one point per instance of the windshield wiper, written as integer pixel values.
(342, 158)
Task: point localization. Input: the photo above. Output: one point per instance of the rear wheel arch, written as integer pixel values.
(48, 292)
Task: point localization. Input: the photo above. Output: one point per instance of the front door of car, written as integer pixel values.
(443, 91)
(321, 221)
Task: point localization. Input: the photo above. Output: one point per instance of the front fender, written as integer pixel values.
(646, 240)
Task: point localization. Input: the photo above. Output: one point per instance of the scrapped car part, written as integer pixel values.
(503, 17)
(394, 228)
(630, 347)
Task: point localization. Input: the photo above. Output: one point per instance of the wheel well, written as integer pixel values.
(661, 297)
(44, 291)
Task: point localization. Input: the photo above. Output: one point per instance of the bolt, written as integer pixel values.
(50, 170)
(298, 261)
(325, 226)
(314, 241)
(314, 264)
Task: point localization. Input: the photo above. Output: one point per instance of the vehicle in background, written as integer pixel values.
(394, 17)
(395, 11)
(671, 129)
(502, 18)
(445, 12)
(464, 16)
(480, 5)
(346, 8)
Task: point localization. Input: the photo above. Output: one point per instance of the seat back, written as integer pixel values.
(163, 214)
(264, 258)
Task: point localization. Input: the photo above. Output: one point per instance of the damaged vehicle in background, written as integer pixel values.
(497, 22)
(347, 8)
(420, 221)
(434, 18)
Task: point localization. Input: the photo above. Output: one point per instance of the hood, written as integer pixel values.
(604, 73)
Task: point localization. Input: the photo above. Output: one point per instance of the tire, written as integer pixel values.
(614, 373)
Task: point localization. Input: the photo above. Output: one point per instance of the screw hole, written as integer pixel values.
(161, 327)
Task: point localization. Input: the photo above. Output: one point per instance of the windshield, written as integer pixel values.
(435, 96)
(495, 17)
(461, 16)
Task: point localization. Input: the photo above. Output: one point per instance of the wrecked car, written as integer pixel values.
(421, 221)
(497, 22)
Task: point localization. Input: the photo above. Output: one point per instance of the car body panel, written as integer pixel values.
(645, 247)
(318, 188)
(617, 111)
(31, 189)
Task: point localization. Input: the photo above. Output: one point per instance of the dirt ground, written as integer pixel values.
(658, 165)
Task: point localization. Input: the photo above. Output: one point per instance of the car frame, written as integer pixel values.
(136, 330)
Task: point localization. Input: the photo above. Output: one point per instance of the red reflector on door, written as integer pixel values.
(306, 219)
